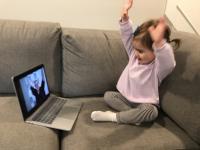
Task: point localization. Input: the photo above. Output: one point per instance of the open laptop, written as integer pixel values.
(39, 106)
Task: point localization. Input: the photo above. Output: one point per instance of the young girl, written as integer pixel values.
(151, 59)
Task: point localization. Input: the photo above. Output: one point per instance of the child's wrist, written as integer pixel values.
(124, 16)
(159, 44)
(124, 19)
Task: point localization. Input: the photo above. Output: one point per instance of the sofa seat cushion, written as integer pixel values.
(89, 135)
(25, 44)
(93, 60)
(180, 92)
(17, 135)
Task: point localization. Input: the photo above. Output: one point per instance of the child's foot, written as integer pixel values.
(103, 116)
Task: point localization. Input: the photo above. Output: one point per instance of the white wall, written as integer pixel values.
(183, 14)
(96, 14)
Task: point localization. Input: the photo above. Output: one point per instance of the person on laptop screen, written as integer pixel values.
(37, 88)
(34, 89)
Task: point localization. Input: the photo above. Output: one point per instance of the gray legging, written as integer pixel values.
(130, 113)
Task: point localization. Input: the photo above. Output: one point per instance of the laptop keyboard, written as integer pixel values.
(49, 113)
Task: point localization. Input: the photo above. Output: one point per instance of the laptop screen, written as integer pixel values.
(32, 89)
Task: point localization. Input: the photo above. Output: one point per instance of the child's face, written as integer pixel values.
(143, 54)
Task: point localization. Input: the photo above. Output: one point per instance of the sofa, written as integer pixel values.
(82, 64)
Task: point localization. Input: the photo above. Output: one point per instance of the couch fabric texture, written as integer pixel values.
(26, 44)
(92, 61)
(164, 134)
(82, 64)
(181, 98)
(17, 135)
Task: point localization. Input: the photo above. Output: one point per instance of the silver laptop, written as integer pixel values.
(39, 106)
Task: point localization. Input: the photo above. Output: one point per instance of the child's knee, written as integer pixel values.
(151, 112)
(108, 96)
(154, 114)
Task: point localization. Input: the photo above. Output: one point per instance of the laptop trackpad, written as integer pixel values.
(66, 117)
(68, 112)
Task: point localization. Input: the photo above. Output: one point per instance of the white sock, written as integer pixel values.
(104, 116)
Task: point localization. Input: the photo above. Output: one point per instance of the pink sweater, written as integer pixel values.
(139, 83)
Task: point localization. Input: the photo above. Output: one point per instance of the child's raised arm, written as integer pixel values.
(126, 27)
(165, 60)
(157, 33)
(127, 5)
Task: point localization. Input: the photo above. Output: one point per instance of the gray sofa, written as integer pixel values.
(81, 65)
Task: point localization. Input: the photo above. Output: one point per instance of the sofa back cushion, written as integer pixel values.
(92, 61)
(180, 92)
(26, 44)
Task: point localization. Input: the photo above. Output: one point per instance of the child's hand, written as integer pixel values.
(127, 4)
(157, 33)
(126, 7)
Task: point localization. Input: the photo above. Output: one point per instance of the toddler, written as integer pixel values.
(151, 59)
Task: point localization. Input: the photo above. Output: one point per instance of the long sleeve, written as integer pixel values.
(126, 31)
(139, 83)
(165, 61)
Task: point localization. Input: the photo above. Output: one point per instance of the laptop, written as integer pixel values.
(39, 106)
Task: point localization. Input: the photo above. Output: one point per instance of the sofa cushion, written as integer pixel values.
(180, 92)
(21, 136)
(17, 135)
(27, 44)
(92, 61)
(164, 134)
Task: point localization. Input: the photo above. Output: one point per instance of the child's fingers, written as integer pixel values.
(130, 1)
(162, 19)
(151, 28)
(162, 22)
